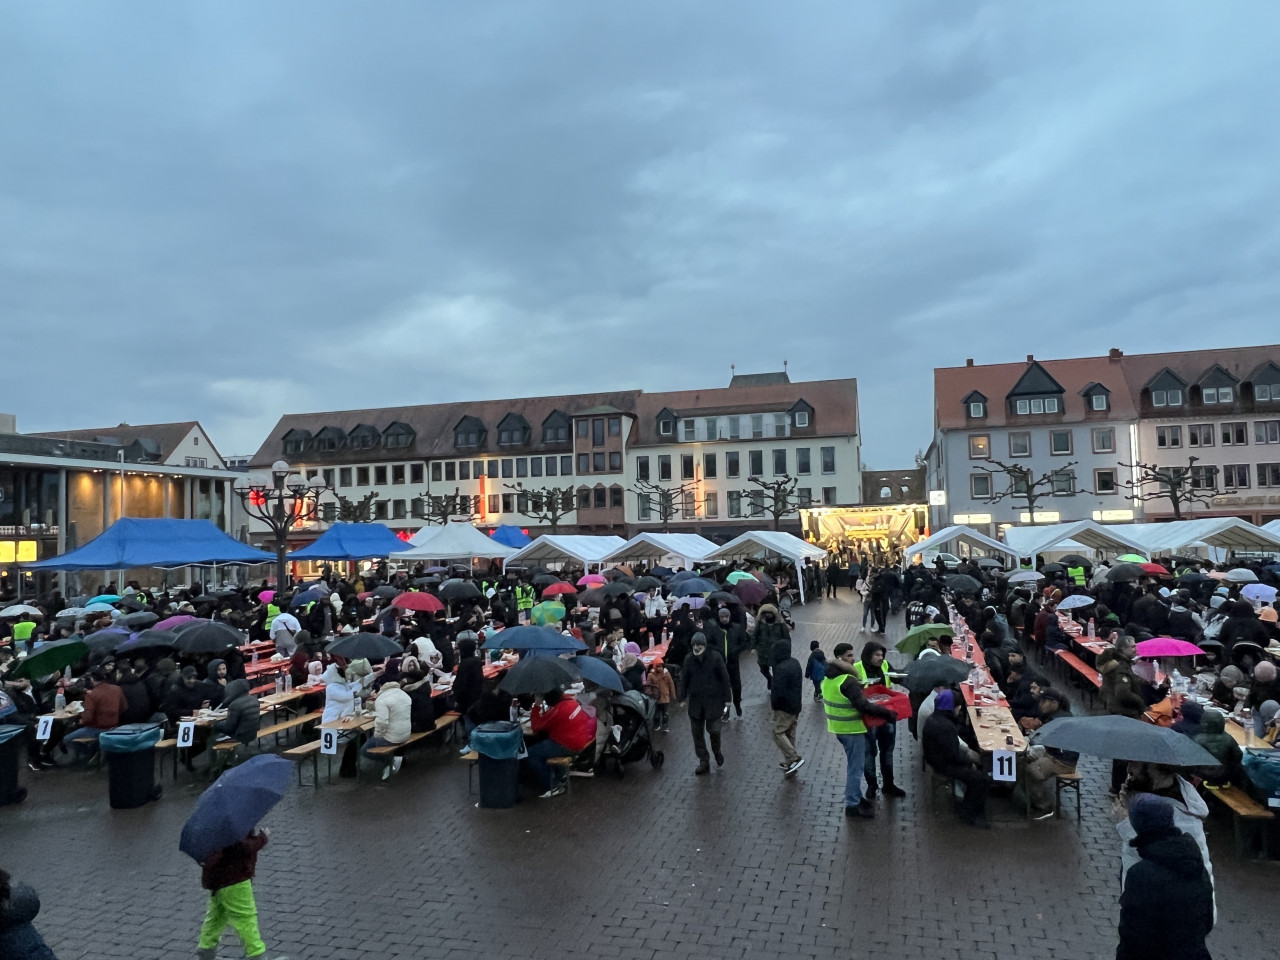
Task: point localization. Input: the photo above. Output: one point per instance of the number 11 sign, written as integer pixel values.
(1004, 765)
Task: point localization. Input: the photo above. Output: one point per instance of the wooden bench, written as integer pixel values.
(1066, 781)
(1249, 815)
(1092, 679)
(274, 729)
(443, 722)
(170, 744)
(301, 752)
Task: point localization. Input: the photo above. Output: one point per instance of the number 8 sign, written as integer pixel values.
(1004, 765)
(186, 734)
(329, 742)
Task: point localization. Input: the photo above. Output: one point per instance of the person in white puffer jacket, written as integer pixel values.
(392, 723)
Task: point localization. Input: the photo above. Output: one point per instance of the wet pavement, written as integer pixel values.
(659, 864)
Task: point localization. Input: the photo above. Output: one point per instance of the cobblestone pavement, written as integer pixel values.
(740, 864)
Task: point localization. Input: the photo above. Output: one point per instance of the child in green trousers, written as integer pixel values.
(228, 876)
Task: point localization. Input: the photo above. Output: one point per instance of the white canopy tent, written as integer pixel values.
(1272, 528)
(690, 548)
(1225, 533)
(453, 541)
(966, 534)
(761, 544)
(1031, 540)
(560, 548)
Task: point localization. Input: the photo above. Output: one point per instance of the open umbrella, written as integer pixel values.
(648, 583)
(235, 804)
(538, 675)
(617, 588)
(1124, 572)
(694, 585)
(600, 672)
(1075, 560)
(591, 598)
(51, 658)
(1051, 568)
(532, 638)
(681, 576)
(70, 613)
(101, 606)
(963, 583)
(693, 603)
(662, 571)
(1241, 575)
(1193, 577)
(385, 592)
(1261, 592)
(1155, 569)
(266, 596)
(140, 619)
(720, 596)
(1167, 647)
(208, 636)
(18, 610)
(591, 580)
(422, 602)
(558, 587)
(738, 575)
(1076, 601)
(363, 646)
(152, 639)
(763, 577)
(989, 563)
(105, 598)
(751, 592)
(303, 597)
(170, 623)
(917, 637)
(457, 589)
(1025, 576)
(1131, 558)
(924, 675)
(549, 611)
(1123, 738)
(546, 580)
(104, 641)
(133, 603)
(617, 573)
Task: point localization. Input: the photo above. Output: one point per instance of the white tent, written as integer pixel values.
(1226, 533)
(967, 534)
(1272, 528)
(1031, 540)
(453, 541)
(759, 544)
(558, 548)
(688, 547)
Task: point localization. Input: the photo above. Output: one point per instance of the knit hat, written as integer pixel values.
(1268, 614)
(1232, 676)
(699, 639)
(1269, 710)
(189, 673)
(166, 665)
(1216, 601)
(1149, 814)
(945, 701)
(1265, 671)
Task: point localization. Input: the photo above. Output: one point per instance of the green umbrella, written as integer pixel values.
(1132, 558)
(549, 611)
(738, 575)
(51, 658)
(917, 637)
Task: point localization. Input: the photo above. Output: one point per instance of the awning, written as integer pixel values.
(1227, 533)
(762, 544)
(689, 547)
(351, 541)
(1031, 540)
(453, 541)
(959, 532)
(559, 547)
(142, 542)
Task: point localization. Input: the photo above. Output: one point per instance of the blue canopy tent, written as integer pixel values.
(351, 541)
(510, 536)
(138, 542)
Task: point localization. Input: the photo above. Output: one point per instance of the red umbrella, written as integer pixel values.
(1154, 569)
(422, 602)
(558, 588)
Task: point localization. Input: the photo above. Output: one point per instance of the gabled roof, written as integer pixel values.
(1036, 381)
(166, 436)
(1092, 388)
(953, 385)
(1215, 376)
(834, 403)
(1267, 373)
(974, 396)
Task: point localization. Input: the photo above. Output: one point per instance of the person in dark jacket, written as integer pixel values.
(815, 669)
(1214, 738)
(728, 639)
(1242, 626)
(468, 685)
(769, 630)
(136, 695)
(704, 683)
(228, 876)
(1166, 909)
(241, 722)
(1120, 694)
(786, 697)
(943, 751)
(1189, 723)
(19, 938)
(1150, 613)
(422, 714)
(159, 679)
(871, 669)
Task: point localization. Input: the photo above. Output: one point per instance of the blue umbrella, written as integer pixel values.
(305, 597)
(228, 810)
(661, 572)
(532, 638)
(600, 673)
(105, 598)
(694, 585)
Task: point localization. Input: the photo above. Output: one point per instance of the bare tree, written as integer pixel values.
(359, 511)
(1181, 486)
(1021, 483)
(779, 497)
(439, 508)
(543, 505)
(666, 502)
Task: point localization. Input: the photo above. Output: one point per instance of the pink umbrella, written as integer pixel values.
(591, 579)
(1167, 647)
(172, 622)
(266, 596)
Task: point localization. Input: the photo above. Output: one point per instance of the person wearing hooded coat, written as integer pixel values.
(1224, 689)
(1189, 812)
(1242, 626)
(241, 722)
(468, 684)
(1214, 738)
(769, 630)
(1120, 694)
(1189, 723)
(729, 639)
(704, 683)
(1166, 909)
(422, 710)
(19, 939)
(1264, 687)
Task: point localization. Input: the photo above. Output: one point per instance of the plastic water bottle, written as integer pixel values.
(255, 654)
(59, 700)
(358, 705)
(288, 682)
(1092, 630)
(664, 634)
(279, 684)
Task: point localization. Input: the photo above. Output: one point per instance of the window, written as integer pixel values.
(1104, 482)
(508, 468)
(615, 426)
(664, 466)
(310, 473)
(295, 445)
(555, 433)
(584, 463)
(508, 503)
(328, 477)
(397, 473)
(804, 496)
(731, 464)
(344, 476)
(463, 438)
(980, 486)
(522, 466)
(380, 510)
(642, 468)
(1220, 395)
(495, 503)
(551, 466)
(599, 497)
(1266, 431)
(755, 463)
(491, 468)
(1236, 476)
(566, 467)
(828, 459)
(597, 432)
(688, 507)
(380, 475)
(713, 432)
(1023, 407)
(1060, 443)
(1038, 405)
(711, 505)
(597, 462)
(802, 418)
(686, 466)
(398, 510)
(1098, 401)
(735, 503)
(464, 469)
(535, 466)
(437, 471)
(477, 469)
(615, 462)
(979, 447)
(197, 461)
(1235, 434)
(1200, 435)
(1168, 437)
(802, 461)
(829, 496)
(735, 428)
(1104, 439)
(709, 466)
(329, 512)
(688, 432)
(615, 496)
(756, 499)
(1266, 392)
(977, 409)
(646, 506)
(757, 426)
(664, 427)
(1269, 474)
(583, 429)
(1019, 444)
(1166, 398)
(779, 463)
(362, 476)
(1064, 483)
(1204, 477)
(779, 424)
(584, 499)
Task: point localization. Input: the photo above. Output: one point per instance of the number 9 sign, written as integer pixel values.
(329, 742)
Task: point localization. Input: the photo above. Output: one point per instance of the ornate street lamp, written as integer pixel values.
(287, 501)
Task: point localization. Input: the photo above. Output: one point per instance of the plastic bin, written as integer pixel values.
(130, 752)
(12, 741)
(499, 782)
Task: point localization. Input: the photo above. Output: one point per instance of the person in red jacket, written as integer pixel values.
(561, 728)
(104, 702)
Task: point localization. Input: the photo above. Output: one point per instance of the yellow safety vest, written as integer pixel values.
(272, 612)
(841, 717)
(524, 596)
(1077, 575)
(23, 630)
(860, 669)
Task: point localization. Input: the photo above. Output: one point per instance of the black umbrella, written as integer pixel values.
(593, 597)
(143, 619)
(1123, 572)
(989, 563)
(459, 590)
(618, 588)
(150, 640)
(1123, 738)
(721, 596)
(963, 583)
(682, 575)
(930, 672)
(132, 603)
(661, 571)
(648, 583)
(616, 574)
(1194, 576)
(364, 646)
(538, 675)
(426, 581)
(103, 641)
(693, 585)
(1053, 568)
(386, 592)
(207, 636)
(545, 579)
(1075, 560)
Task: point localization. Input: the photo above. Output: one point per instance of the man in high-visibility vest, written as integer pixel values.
(871, 668)
(844, 704)
(1077, 576)
(524, 597)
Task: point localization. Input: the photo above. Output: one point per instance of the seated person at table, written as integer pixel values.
(1270, 713)
(243, 714)
(1043, 764)
(948, 756)
(468, 684)
(393, 722)
(1224, 689)
(1264, 687)
(1214, 738)
(422, 713)
(1192, 716)
(561, 728)
(104, 704)
(216, 677)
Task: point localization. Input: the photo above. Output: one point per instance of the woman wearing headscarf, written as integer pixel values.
(1229, 679)
(1263, 688)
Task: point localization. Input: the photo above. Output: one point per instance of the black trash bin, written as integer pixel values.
(499, 782)
(12, 741)
(130, 752)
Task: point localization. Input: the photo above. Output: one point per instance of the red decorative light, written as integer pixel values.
(525, 531)
(257, 498)
(404, 535)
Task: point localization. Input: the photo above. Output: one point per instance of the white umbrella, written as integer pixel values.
(1075, 601)
(71, 612)
(1026, 576)
(1242, 575)
(18, 609)
(1259, 593)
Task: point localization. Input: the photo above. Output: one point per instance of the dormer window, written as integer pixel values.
(664, 427)
(397, 436)
(977, 410)
(1266, 392)
(975, 406)
(513, 430)
(802, 418)
(1036, 405)
(1166, 398)
(363, 437)
(468, 434)
(1218, 395)
(1098, 401)
(296, 441)
(666, 422)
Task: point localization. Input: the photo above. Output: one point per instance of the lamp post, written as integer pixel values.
(287, 501)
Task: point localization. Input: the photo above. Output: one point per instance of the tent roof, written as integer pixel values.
(1030, 540)
(766, 543)
(452, 541)
(1224, 532)
(351, 541)
(510, 536)
(654, 546)
(958, 532)
(140, 542)
(558, 546)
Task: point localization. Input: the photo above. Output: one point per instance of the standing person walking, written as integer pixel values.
(786, 698)
(228, 876)
(704, 683)
(729, 639)
(833, 575)
(872, 668)
(844, 704)
(769, 630)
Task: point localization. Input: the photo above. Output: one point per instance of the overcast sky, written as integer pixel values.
(229, 211)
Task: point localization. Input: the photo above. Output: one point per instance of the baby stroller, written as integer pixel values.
(631, 738)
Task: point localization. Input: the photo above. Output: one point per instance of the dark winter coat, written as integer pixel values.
(1119, 686)
(19, 939)
(139, 700)
(1214, 738)
(422, 712)
(1166, 910)
(786, 691)
(1150, 612)
(704, 682)
(243, 714)
(940, 742)
(768, 632)
(729, 642)
(468, 685)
